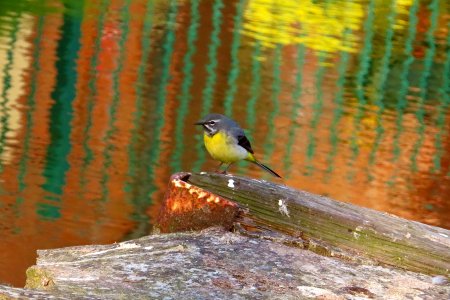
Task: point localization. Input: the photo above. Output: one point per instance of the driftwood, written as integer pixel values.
(216, 264)
(330, 227)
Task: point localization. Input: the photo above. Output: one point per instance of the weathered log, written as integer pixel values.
(217, 264)
(338, 228)
(8, 292)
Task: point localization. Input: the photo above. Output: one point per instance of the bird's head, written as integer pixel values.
(212, 123)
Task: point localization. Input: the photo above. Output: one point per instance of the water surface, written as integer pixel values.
(347, 99)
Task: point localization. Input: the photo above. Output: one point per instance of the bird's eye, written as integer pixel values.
(212, 122)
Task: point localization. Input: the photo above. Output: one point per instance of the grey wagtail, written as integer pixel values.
(226, 142)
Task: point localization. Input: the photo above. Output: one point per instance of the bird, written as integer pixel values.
(226, 142)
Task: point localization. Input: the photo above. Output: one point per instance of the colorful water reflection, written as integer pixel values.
(347, 99)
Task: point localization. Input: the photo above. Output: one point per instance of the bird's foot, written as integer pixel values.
(218, 169)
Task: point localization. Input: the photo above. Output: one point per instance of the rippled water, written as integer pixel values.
(347, 99)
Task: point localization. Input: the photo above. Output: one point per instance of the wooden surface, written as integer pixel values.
(217, 264)
(330, 227)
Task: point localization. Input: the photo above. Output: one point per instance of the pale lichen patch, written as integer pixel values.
(128, 246)
(231, 183)
(282, 207)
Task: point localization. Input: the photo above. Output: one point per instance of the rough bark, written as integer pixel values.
(331, 227)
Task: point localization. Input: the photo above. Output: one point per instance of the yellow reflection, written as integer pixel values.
(14, 63)
(402, 6)
(327, 27)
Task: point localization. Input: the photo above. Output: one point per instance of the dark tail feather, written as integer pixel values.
(266, 168)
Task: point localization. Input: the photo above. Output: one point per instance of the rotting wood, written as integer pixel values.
(332, 225)
(187, 207)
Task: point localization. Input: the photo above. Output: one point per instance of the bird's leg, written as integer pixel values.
(226, 169)
(218, 168)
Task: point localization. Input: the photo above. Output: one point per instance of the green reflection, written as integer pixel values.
(108, 139)
(185, 95)
(208, 91)
(89, 155)
(425, 73)
(380, 76)
(136, 187)
(254, 95)
(162, 94)
(255, 89)
(269, 145)
(403, 88)
(61, 112)
(360, 82)
(443, 91)
(338, 112)
(317, 112)
(234, 72)
(48, 211)
(295, 116)
(146, 42)
(29, 121)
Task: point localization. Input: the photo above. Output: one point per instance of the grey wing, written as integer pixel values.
(242, 139)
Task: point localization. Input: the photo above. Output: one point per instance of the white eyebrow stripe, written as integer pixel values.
(207, 127)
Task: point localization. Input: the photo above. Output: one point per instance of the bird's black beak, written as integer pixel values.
(199, 123)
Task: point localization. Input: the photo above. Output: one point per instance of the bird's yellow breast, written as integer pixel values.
(224, 148)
